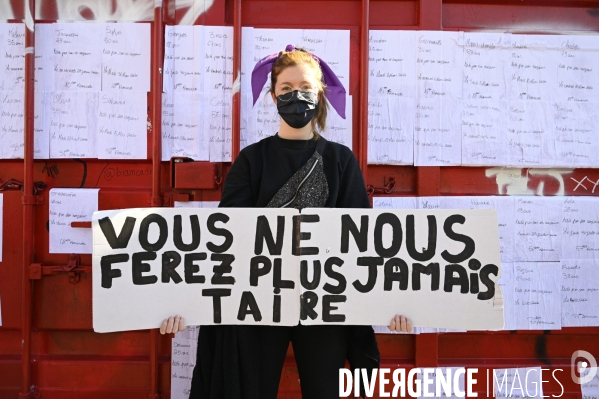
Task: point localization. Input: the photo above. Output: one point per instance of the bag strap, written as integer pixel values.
(320, 144)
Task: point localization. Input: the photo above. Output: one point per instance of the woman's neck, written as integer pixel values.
(289, 133)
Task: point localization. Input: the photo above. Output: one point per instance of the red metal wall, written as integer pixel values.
(47, 346)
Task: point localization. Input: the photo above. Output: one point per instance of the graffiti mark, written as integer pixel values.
(581, 184)
(84, 171)
(513, 181)
(51, 170)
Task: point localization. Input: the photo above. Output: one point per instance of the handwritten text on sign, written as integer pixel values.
(280, 267)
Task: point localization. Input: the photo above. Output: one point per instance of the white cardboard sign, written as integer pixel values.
(280, 267)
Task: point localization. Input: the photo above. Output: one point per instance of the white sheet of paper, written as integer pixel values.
(183, 59)
(71, 119)
(183, 358)
(41, 136)
(12, 68)
(439, 64)
(537, 296)
(71, 205)
(484, 141)
(122, 125)
(576, 131)
(590, 390)
(485, 63)
(182, 127)
(580, 292)
(530, 75)
(518, 383)
(78, 56)
(12, 124)
(437, 132)
(340, 130)
(538, 230)
(572, 62)
(429, 388)
(580, 228)
(44, 57)
(126, 57)
(530, 134)
(391, 130)
(392, 63)
(218, 59)
(218, 123)
(506, 282)
(505, 215)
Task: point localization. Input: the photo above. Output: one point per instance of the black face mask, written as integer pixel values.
(297, 108)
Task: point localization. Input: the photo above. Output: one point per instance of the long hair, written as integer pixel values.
(298, 57)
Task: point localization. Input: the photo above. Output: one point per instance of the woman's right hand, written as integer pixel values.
(172, 325)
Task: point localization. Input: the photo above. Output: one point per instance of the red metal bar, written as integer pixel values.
(236, 135)
(364, 54)
(28, 191)
(157, 201)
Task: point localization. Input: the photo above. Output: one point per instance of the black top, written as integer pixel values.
(225, 365)
(264, 167)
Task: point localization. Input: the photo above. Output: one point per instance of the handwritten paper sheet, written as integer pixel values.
(505, 215)
(484, 66)
(392, 64)
(538, 231)
(580, 292)
(590, 390)
(71, 120)
(580, 228)
(71, 205)
(183, 59)
(78, 56)
(391, 130)
(41, 136)
(506, 282)
(196, 204)
(437, 132)
(126, 57)
(575, 131)
(12, 68)
(439, 64)
(12, 124)
(529, 76)
(573, 60)
(518, 383)
(340, 130)
(530, 134)
(537, 296)
(218, 123)
(483, 133)
(44, 57)
(183, 358)
(122, 127)
(182, 127)
(428, 378)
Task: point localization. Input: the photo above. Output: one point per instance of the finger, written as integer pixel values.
(403, 326)
(163, 326)
(176, 324)
(392, 325)
(397, 323)
(181, 324)
(169, 326)
(409, 325)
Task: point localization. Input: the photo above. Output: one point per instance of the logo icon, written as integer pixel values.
(586, 373)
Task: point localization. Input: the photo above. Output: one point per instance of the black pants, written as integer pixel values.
(320, 351)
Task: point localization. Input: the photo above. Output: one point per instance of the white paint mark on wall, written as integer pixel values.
(29, 22)
(582, 183)
(514, 181)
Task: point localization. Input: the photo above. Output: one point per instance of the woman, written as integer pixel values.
(294, 168)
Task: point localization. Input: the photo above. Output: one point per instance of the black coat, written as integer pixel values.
(225, 366)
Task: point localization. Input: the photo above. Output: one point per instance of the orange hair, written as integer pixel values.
(300, 56)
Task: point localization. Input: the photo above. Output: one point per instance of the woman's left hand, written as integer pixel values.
(400, 323)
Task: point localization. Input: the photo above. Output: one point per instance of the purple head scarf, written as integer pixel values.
(334, 90)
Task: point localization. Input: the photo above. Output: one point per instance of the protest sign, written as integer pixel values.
(280, 267)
